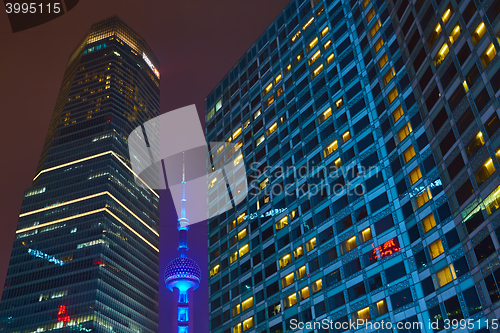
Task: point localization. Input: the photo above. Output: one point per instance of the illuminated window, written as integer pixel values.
(248, 323)
(244, 250)
(260, 139)
(475, 144)
(446, 275)
(364, 314)
(324, 116)
(365, 3)
(488, 55)
(312, 44)
(242, 234)
(398, 113)
(218, 106)
(287, 280)
(484, 172)
(443, 52)
(288, 69)
(247, 122)
(257, 113)
(415, 175)
(455, 33)
(366, 235)
(318, 70)
(382, 61)
(269, 101)
(308, 23)
(212, 183)
(241, 217)
(232, 225)
(466, 86)
(325, 31)
(236, 133)
(282, 223)
(382, 307)
(263, 184)
(404, 132)
(375, 28)
(338, 162)
(392, 95)
(277, 79)
(436, 248)
(237, 328)
(304, 293)
(233, 257)
(339, 103)
(331, 148)
(236, 310)
(370, 15)
(311, 244)
(238, 159)
(299, 57)
(301, 272)
(409, 153)
(348, 245)
(388, 76)
(297, 35)
(447, 13)
(330, 58)
(290, 300)
(478, 33)
(320, 10)
(214, 270)
(428, 222)
(211, 114)
(317, 285)
(423, 198)
(327, 44)
(247, 304)
(285, 260)
(298, 252)
(314, 57)
(272, 128)
(378, 45)
(346, 136)
(268, 89)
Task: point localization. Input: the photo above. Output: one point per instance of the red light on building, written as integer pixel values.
(62, 314)
(388, 248)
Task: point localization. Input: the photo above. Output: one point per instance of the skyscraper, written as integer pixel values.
(85, 255)
(369, 130)
(183, 274)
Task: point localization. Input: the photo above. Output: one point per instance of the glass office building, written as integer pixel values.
(370, 135)
(85, 255)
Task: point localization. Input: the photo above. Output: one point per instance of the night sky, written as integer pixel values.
(197, 43)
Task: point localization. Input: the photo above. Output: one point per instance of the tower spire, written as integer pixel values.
(182, 225)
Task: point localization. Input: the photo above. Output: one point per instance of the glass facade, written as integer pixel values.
(85, 255)
(369, 132)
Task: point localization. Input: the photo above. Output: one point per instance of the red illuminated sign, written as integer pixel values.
(386, 249)
(62, 314)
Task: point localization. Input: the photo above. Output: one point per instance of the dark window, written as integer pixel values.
(465, 120)
(336, 301)
(464, 192)
(421, 259)
(472, 301)
(384, 224)
(439, 120)
(333, 277)
(428, 286)
(463, 54)
(356, 291)
(482, 99)
(484, 249)
(352, 267)
(437, 317)
(460, 266)
(395, 272)
(453, 308)
(452, 238)
(374, 282)
(413, 233)
(455, 166)
(448, 142)
(492, 124)
(401, 298)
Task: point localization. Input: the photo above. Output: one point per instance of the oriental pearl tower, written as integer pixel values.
(182, 273)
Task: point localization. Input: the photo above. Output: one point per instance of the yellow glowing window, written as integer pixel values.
(248, 323)
(263, 184)
(488, 55)
(211, 114)
(350, 244)
(375, 28)
(378, 45)
(308, 23)
(415, 175)
(443, 52)
(317, 285)
(268, 89)
(287, 280)
(241, 217)
(301, 272)
(423, 198)
(370, 15)
(446, 275)
(381, 307)
(214, 270)
(366, 234)
(304, 293)
(247, 304)
(338, 162)
(238, 159)
(398, 113)
(237, 132)
(270, 101)
(331, 148)
(257, 113)
(233, 257)
(324, 116)
(298, 252)
(436, 248)
(409, 153)
(428, 222)
(297, 35)
(339, 102)
(325, 31)
(272, 128)
(291, 300)
(285, 260)
(364, 314)
(237, 328)
(288, 68)
(330, 58)
(318, 70)
(242, 234)
(346, 136)
(314, 57)
(404, 132)
(478, 33)
(259, 140)
(392, 95)
(313, 43)
(311, 244)
(320, 10)
(279, 91)
(212, 183)
(238, 145)
(277, 79)
(244, 250)
(327, 44)
(365, 3)
(383, 60)
(455, 33)
(466, 86)
(484, 172)
(389, 75)
(282, 223)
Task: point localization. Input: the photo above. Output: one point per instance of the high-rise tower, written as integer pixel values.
(182, 274)
(85, 256)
